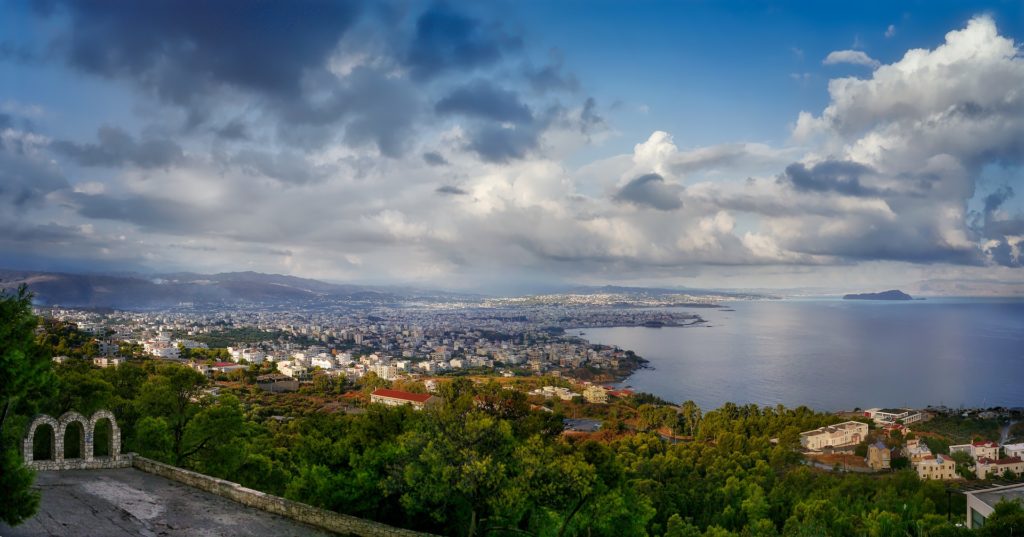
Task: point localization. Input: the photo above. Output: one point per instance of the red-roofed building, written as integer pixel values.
(997, 467)
(399, 398)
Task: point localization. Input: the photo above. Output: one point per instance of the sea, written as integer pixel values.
(834, 354)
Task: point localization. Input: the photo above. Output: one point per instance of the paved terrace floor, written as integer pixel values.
(128, 502)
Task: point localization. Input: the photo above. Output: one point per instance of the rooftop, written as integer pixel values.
(128, 502)
(992, 496)
(398, 394)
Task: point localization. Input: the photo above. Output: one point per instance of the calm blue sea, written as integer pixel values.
(832, 354)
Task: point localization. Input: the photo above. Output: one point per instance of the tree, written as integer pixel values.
(690, 417)
(458, 471)
(1007, 519)
(24, 370)
(964, 463)
(173, 395)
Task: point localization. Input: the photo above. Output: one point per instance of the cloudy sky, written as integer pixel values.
(517, 145)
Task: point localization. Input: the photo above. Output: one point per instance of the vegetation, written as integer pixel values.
(24, 376)
(485, 462)
(961, 431)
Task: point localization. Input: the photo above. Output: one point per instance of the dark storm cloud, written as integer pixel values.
(451, 190)
(650, 191)
(25, 178)
(996, 199)
(838, 176)
(995, 228)
(116, 147)
(44, 233)
(481, 99)
(285, 167)
(182, 52)
(494, 143)
(376, 108)
(447, 40)
(875, 240)
(235, 130)
(434, 158)
(161, 215)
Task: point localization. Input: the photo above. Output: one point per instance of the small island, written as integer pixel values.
(892, 294)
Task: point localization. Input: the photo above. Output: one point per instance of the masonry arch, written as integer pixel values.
(46, 422)
(84, 444)
(109, 445)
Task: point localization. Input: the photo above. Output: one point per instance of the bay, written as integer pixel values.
(833, 354)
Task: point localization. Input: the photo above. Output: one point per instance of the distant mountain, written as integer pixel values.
(139, 292)
(656, 291)
(892, 294)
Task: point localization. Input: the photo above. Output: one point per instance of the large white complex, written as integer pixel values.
(886, 416)
(846, 434)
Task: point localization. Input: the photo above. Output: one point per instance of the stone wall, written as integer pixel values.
(321, 518)
(95, 463)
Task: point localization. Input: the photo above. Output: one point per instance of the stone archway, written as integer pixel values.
(88, 460)
(115, 432)
(29, 443)
(85, 448)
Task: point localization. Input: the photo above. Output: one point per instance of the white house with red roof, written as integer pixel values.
(388, 397)
(978, 450)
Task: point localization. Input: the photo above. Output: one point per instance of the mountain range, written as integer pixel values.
(135, 291)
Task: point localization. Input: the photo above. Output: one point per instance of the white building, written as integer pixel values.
(1014, 450)
(384, 371)
(885, 416)
(107, 361)
(323, 361)
(840, 435)
(162, 350)
(981, 503)
(253, 356)
(978, 450)
(293, 369)
(916, 450)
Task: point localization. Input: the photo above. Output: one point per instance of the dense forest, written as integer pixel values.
(486, 462)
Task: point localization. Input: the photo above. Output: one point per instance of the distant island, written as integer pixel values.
(892, 294)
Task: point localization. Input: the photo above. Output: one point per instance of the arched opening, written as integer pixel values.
(43, 443)
(103, 438)
(74, 441)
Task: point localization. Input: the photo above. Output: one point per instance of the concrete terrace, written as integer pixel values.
(128, 502)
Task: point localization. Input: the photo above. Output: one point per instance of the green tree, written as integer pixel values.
(458, 471)
(173, 395)
(154, 439)
(964, 463)
(1007, 519)
(24, 371)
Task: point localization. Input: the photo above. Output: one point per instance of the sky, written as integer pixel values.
(516, 146)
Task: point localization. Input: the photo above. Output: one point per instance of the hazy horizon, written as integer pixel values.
(519, 146)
